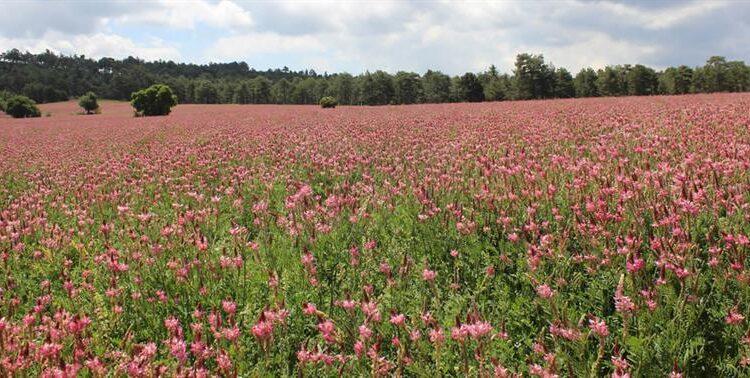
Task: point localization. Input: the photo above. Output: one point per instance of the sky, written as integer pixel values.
(354, 36)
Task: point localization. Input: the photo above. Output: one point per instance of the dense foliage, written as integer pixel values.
(21, 107)
(4, 96)
(328, 102)
(595, 237)
(48, 77)
(156, 100)
(88, 102)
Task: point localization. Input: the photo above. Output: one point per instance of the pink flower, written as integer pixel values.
(734, 317)
(385, 268)
(327, 330)
(364, 332)
(475, 330)
(415, 335)
(229, 307)
(623, 303)
(599, 327)
(231, 334)
(437, 336)
(224, 362)
(635, 265)
(429, 275)
(263, 330)
(307, 259)
(95, 366)
(309, 309)
(620, 363)
(398, 319)
(545, 291)
(50, 350)
(371, 311)
(148, 351)
(172, 324)
(178, 349)
(359, 348)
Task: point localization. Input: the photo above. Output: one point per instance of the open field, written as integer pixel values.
(589, 237)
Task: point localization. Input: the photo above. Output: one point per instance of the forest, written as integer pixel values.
(51, 77)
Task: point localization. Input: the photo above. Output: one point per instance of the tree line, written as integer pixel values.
(49, 77)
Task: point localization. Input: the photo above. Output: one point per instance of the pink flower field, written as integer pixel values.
(561, 238)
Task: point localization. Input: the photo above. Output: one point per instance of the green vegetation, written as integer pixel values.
(328, 102)
(469, 88)
(155, 100)
(4, 96)
(21, 107)
(88, 102)
(48, 77)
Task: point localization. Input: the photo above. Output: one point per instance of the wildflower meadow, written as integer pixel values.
(560, 238)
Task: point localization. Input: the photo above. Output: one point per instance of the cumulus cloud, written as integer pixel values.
(263, 43)
(186, 15)
(32, 19)
(355, 36)
(461, 36)
(585, 51)
(94, 45)
(658, 19)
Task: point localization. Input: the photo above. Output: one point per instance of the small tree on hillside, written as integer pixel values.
(155, 100)
(21, 107)
(88, 102)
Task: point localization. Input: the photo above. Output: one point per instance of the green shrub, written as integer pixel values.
(328, 102)
(89, 102)
(155, 100)
(21, 107)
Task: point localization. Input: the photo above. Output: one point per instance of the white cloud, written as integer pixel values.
(453, 36)
(94, 45)
(186, 15)
(659, 19)
(342, 16)
(393, 35)
(586, 51)
(263, 43)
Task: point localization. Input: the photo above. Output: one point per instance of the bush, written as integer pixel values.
(328, 102)
(155, 100)
(21, 107)
(88, 102)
